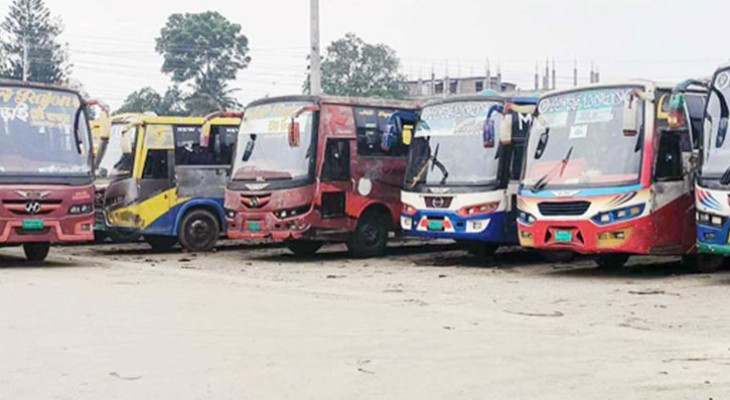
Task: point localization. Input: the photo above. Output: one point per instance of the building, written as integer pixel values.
(457, 86)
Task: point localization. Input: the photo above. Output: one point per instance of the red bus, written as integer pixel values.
(310, 170)
(46, 168)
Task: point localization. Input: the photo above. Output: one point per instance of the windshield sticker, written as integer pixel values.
(461, 118)
(578, 132)
(587, 100)
(38, 107)
(271, 118)
(593, 116)
(723, 80)
(159, 137)
(554, 120)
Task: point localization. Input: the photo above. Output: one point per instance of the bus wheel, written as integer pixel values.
(199, 230)
(703, 263)
(161, 243)
(480, 250)
(612, 261)
(557, 256)
(370, 237)
(303, 248)
(36, 252)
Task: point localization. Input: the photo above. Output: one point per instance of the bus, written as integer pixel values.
(168, 180)
(712, 192)
(316, 169)
(46, 168)
(607, 174)
(462, 176)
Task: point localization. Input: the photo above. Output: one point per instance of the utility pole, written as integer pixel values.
(315, 73)
(26, 67)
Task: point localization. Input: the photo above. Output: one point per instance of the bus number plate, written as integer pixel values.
(33, 224)
(254, 226)
(563, 236)
(435, 225)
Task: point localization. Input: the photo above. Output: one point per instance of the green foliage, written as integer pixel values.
(147, 99)
(29, 22)
(206, 51)
(352, 67)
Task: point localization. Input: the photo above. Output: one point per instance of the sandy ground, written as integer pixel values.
(425, 322)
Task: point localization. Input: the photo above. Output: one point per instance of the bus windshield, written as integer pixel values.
(448, 148)
(263, 152)
(579, 140)
(43, 132)
(717, 150)
(112, 152)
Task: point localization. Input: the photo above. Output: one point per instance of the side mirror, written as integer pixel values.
(390, 133)
(408, 134)
(675, 118)
(541, 145)
(488, 133)
(295, 133)
(632, 117)
(205, 134)
(205, 130)
(505, 135)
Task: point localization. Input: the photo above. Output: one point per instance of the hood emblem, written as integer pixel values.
(32, 207)
(32, 195)
(257, 186)
(565, 193)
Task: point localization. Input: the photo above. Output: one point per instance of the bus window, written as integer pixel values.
(220, 151)
(370, 123)
(156, 166)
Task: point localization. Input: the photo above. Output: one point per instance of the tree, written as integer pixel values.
(29, 24)
(352, 67)
(206, 51)
(147, 99)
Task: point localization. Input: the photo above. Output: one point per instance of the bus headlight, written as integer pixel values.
(620, 215)
(707, 219)
(526, 218)
(81, 209)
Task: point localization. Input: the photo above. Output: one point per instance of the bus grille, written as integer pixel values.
(569, 209)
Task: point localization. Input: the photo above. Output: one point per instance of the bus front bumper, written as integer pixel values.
(450, 225)
(585, 237)
(67, 229)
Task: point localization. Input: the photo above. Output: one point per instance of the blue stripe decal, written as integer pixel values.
(550, 194)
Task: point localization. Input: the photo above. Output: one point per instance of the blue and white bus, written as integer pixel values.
(464, 170)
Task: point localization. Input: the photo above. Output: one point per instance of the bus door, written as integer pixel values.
(514, 157)
(674, 181)
(156, 188)
(203, 171)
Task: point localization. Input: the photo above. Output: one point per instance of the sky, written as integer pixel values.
(111, 43)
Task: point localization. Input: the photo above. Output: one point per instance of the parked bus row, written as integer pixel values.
(604, 170)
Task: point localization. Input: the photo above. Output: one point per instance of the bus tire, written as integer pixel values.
(703, 263)
(199, 230)
(160, 242)
(36, 252)
(612, 261)
(303, 248)
(371, 235)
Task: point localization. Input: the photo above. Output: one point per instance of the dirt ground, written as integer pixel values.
(425, 322)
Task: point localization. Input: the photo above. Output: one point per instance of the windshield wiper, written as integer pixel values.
(545, 180)
(435, 163)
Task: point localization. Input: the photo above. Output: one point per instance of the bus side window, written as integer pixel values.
(336, 161)
(370, 123)
(156, 166)
(669, 158)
